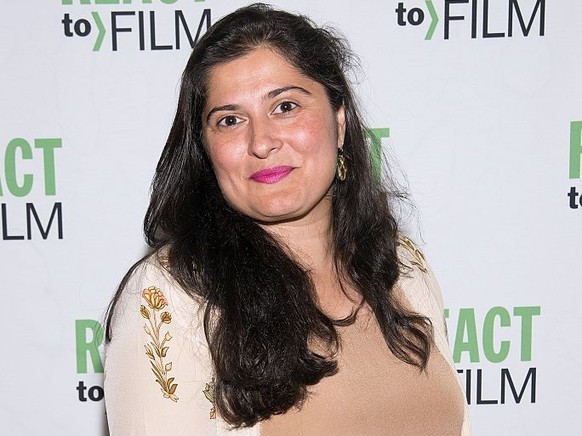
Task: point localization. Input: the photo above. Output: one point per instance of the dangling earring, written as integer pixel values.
(341, 168)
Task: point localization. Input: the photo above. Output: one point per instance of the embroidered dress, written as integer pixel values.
(158, 372)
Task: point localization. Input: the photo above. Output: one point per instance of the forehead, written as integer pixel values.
(255, 72)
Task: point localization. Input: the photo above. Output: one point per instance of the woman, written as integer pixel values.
(279, 298)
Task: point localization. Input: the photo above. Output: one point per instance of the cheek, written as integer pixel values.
(225, 158)
(318, 136)
(226, 173)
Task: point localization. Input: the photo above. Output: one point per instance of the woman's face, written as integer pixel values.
(272, 137)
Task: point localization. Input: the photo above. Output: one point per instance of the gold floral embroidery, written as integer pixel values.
(156, 349)
(164, 260)
(419, 260)
(154, 298)
(209, 394)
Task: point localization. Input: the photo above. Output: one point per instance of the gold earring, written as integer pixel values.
(341, 168)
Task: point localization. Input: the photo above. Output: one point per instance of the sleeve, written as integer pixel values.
(421, 289)
(158, 375)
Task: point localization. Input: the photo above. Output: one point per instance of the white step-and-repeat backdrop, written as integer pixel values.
(478, 102)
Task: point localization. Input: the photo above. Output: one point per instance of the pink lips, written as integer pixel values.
(271, 175)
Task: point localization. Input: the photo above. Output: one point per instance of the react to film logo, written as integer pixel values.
(30, 170)
(500, 371)
(135, 29)
(574, 196)
(447, 14)
(89, 340)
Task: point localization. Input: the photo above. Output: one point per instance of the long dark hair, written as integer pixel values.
(267, 337)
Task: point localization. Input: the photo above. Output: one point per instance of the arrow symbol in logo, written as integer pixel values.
(101, 30)
(434, 20)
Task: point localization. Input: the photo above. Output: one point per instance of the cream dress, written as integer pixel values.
(158, 373)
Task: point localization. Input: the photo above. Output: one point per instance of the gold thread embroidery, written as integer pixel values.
(209, 394)
(164, 260)
(156, 349)
(419, 260)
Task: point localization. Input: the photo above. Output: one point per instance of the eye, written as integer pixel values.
(228, 121)
(286, 106)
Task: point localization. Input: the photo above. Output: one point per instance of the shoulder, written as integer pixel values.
(417, 279)
(151, 295)
(410, 254)
(151, 285)
(420, 288)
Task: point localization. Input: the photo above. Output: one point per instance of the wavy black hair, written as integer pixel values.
(268, 339)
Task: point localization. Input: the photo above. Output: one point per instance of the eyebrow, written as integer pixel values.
(275, 92)
(226, 107)
(270, 95)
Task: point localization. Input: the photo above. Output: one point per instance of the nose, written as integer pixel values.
(264, 138)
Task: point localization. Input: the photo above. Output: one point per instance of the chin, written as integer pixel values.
(274, 217)
(278, 209)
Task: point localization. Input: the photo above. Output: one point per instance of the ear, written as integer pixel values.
(341, 126)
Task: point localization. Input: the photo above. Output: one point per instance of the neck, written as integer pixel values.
(310, 242)
(309, 238)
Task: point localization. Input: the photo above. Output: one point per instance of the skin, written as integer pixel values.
(261, 112)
